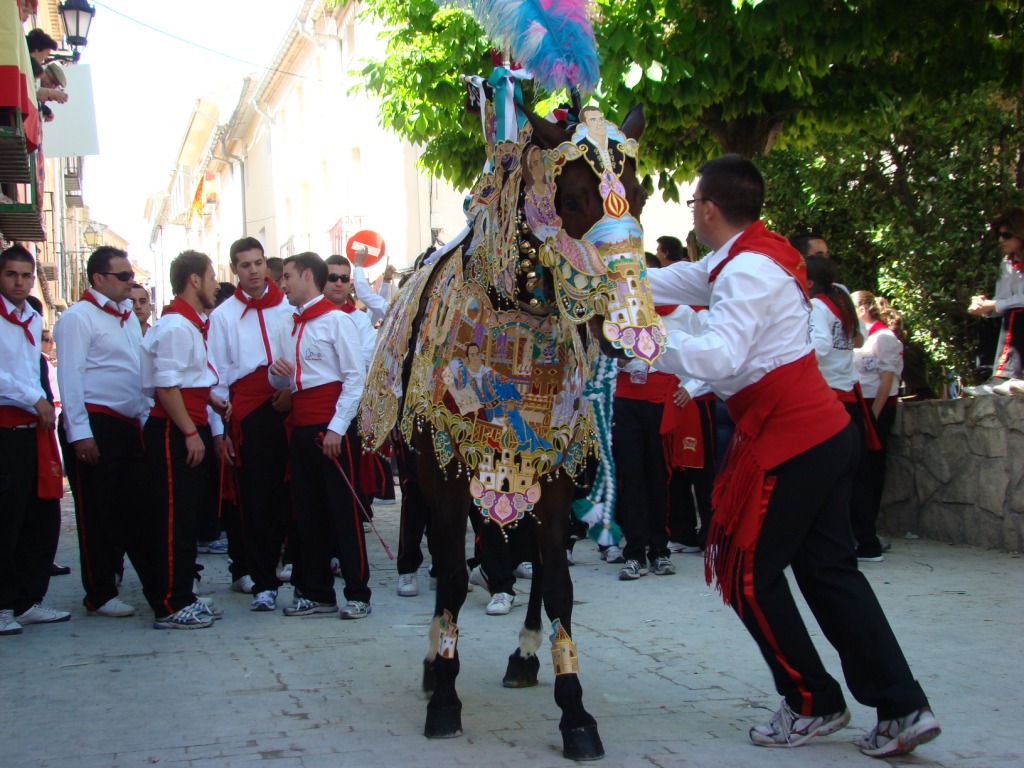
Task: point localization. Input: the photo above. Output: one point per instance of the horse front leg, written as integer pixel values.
(441, 665)
(523, 664)
(580, 737)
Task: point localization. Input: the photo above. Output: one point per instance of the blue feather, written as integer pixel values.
(553, 39)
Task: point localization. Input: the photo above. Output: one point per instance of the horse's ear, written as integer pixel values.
(546, 135)
(635, 122)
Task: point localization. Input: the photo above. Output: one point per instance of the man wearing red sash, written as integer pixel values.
(255, 442)
(319, 356)
(100, 381)
(30, 471)
(782, 498)
(179, 445)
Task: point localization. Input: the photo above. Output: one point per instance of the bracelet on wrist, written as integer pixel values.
(193, 433)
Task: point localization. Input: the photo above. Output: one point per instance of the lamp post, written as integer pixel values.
(77, 18)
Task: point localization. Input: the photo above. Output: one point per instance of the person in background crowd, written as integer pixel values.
(30, 470)
(100, 429)
(178, 439)
(1008, 304)
(142, 307)
(256, 439)
(321, 359)
(782, 499)
(879, 364)
(275, 266)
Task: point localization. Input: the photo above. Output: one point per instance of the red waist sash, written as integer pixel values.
(249, 393)
(658, 388)
(195, 399)
(855, 395)
(12, 416)
(315, 405)
(787, 412)
(107, 411)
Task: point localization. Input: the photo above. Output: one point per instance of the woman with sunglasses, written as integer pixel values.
(1008, 371)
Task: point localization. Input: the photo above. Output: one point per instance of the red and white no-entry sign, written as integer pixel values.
(371, 241)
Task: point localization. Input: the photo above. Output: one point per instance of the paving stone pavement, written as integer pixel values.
(667, 670)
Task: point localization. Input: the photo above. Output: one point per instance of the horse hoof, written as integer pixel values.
(582, 743)
(521, 673)
(444, 722)
(429, 677)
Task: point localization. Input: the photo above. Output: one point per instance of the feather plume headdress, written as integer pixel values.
(553, 39)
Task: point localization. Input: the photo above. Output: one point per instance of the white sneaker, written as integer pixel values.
(524, 571)
(614, 555)
(8, 624)
(1010, 387)
(900, 736)
(407, 586)
(476, 576)
(675, 547)
(42, 614)
(788, 729)
(243, 584)
(501, 604)
(264, 601)
(284, 573)
(115, 608)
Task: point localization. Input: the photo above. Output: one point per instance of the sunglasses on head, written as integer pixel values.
(336, 278)
(124, 277)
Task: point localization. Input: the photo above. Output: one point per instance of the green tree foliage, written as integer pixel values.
(713, 75)
(906, 212)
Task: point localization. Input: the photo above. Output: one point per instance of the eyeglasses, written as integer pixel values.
(1004, 235)
(124, 277)
(47, 340)
(336, 278)
(694, 201)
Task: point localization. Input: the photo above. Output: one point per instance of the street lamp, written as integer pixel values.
(93, 237)
(77, 17)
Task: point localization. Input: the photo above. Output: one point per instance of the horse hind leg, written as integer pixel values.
(440, 668)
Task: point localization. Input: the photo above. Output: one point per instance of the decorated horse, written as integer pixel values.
(484, 359)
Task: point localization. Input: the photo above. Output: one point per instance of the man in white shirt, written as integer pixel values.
(320, 357)
(29, 525)
(256, 440)
(179, 444)
(782, 498)
(376, 303)
(100, 380)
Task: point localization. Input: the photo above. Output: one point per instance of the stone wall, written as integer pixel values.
(956, 472)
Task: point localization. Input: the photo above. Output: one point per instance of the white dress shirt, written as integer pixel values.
(882, 353)
(376, 303)
(174, 355)
(686, 319)
(20, 384)
(100, 363)
(1009, 289)
(324, 350)
(236, 343)
(367, 334)
(832, 347)
(757, 319)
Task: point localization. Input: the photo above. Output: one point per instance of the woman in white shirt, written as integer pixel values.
(879, 364)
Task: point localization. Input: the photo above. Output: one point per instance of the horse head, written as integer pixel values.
(581, 205)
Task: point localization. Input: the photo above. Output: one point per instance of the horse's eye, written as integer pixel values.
(570, 204)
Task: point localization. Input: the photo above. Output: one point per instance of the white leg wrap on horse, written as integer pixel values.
(433, 638)
(529, 642)
(563, 651)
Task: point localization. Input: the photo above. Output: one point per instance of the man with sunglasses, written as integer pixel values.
(100, 382)
(255, 443)
(340, 290)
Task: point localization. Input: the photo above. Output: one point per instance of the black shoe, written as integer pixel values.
(59, 570)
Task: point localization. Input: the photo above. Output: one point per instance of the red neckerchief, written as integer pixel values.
(271, 297)
(179, 306)
(122, 316)
(831, 305)
(697, 308)
(877, 326)
(758, 239)
(666, 309)
(322, 307)
(1016, 262)
(10, 317)
(348, 306)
